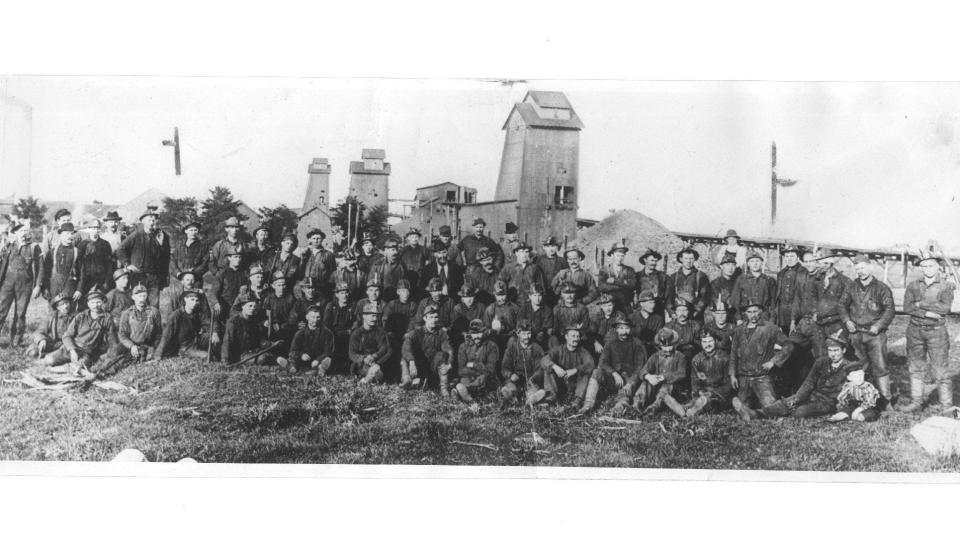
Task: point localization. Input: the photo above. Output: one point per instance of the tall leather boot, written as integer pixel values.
(883, 386)
(590, 397)
(444, 385)
(696, 406)
(916, 396)
(946, 395)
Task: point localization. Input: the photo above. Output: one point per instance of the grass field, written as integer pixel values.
(209, 413)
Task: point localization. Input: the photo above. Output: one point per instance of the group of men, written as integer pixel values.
(475, 317)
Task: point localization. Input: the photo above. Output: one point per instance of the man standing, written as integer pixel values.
(225, 247)
(618, 280)
(539, 316)
(414, 257)
(754, 287)
(690, 282)
(753, 355)
(283, 259)
(368, 255)
(60, 267)
(688, 330)
(113, 234)
(445, 238)
(388, 271)
(550, 264)
(471, 245)
(348, 273)
(440, 267)
(521, 275)
(833, 295)
(483, 275)
(576, 276)
(928, 300)
(146, 253)
(867, 318)
(646, 323)
(649, 278)
(95, 260)
(21, 275)
(511, 241)
(788, 285)
(262, 250)
(733, 248)
(171, 296)
(189, 255)
(721, 288)
(318, 263)
(62, 216)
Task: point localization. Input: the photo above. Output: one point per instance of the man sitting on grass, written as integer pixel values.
(139, 331)
(659, 379)
(710, 388)
(477, 364)
(521, 367)
(623, 355)
(245, 335)
(571, 364)
(427, 354)
(312, 347)
(186, 331)
(858, 399)
(49, 337)
(369, 346)
(90, 335)
(817, 395)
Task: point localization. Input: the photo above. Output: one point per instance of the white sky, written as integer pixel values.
(877, 164)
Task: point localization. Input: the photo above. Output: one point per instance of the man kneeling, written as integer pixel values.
(312, 347)
(50, 337)
(659, 378)
(817, 395)
(478, 356)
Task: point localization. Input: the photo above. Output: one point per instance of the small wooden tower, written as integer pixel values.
(369, 178)
(540, 165)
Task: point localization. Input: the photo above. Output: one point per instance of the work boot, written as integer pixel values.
(744, 411)
(535, 397)
(946, 395)
(699, 404)
(674, 406)
(463, 393)
(916, 396)
(576, 404)
(590, 398)
(282, 363)
(883, 386)
(444, 386)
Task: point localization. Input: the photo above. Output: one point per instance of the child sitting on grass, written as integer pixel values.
(857, 399)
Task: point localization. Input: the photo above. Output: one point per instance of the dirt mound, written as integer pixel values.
(640, 232)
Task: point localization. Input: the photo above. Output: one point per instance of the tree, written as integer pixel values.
(29, 208)
(176, 213)
(279, 220)
(215, 210)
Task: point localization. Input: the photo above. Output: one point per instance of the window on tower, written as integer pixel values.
(451, 196)
(563, 196)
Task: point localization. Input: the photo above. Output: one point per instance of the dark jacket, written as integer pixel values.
(823, 382)
(919, 298)
(871, 305)
(149, 255)
(754, 346)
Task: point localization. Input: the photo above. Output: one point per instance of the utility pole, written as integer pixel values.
(775, 182)
(175, 143)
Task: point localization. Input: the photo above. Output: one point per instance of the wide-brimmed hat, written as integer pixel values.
(444, 231)
(112, 216)
(190, 292)
(180, 274)
(618, 246)
(476, 326)
(478, 221)
(550, 241)
(666, 337)
(650, 252)
(434, 285)
(731, 233)
(67, 227)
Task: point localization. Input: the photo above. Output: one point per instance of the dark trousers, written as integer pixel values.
(812, 408)
(760, 386)
(928, 350)
(872, 351)
(15, 292)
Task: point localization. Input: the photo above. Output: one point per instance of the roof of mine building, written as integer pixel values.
(548, 100)
(373, 153)
(357, 167)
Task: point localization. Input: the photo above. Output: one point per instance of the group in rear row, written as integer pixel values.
(479, 318)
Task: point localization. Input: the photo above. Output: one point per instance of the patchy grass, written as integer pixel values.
(189, 408)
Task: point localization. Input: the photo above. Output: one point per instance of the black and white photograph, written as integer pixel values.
(474, 277)
(708, 275)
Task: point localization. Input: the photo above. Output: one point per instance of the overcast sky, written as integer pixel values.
(876, 164)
